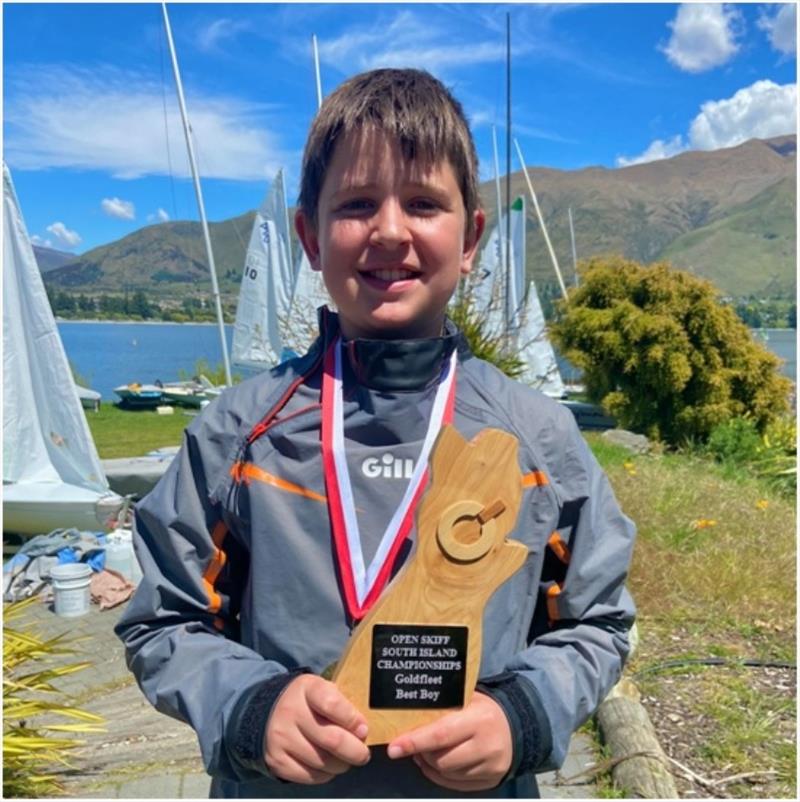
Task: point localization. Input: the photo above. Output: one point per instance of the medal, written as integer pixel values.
(363, 584)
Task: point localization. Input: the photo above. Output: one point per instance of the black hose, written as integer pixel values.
(715, 661)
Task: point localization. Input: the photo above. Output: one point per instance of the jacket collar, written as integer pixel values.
(394, 365)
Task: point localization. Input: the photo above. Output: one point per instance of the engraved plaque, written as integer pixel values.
(417, 666)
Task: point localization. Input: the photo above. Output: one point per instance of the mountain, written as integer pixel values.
(727, 215)
(49, 258)
(643, 210)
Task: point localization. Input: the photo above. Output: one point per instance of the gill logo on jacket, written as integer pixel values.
(388, 467)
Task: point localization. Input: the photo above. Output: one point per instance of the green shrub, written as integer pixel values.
(735, 440)
(216, 375)
(663, 355)
(494, 349)
(772, 455)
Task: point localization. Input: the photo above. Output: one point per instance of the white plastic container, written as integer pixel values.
(120, 555)
(71, 589)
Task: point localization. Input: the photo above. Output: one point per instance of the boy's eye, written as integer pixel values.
(355, 206)
(424, 205)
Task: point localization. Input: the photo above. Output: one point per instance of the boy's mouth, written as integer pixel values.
(388, 277)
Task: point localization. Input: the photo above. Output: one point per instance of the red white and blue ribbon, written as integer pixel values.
(363, 583)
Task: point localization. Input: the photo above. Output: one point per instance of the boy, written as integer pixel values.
(251, 588)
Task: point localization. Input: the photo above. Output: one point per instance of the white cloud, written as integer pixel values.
(114, 207)
(62, 117)
(658, 149)
(212, 36)
(44, 243)
(159, 216)
(703, 36)
(761, 111)
(781, 29)
(64, 236)
(406, 40)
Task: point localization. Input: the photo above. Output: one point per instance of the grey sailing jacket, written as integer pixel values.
(241, 590)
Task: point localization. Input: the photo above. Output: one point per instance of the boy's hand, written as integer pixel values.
(314, 733)
(470, 750)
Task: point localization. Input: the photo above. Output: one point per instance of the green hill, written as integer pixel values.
(757, 241)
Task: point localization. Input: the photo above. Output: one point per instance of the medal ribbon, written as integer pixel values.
(363, 584)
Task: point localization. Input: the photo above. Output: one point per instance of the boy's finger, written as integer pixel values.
(442, 734)
(462, 760)
(317, 759)
(296, 771)
(327, 701)
(335, 742)
(463, 785)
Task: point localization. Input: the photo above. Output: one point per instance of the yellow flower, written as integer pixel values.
(703, 523)
(762, 504)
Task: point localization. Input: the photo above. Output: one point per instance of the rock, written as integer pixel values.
(635, 443)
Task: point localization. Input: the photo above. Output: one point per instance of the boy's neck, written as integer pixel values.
(418, 331)
(392, 364)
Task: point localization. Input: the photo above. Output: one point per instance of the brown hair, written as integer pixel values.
(410, 105)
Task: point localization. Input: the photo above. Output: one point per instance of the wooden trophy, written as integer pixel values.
(416, 654)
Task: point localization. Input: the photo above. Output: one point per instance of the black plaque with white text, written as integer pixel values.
(416, 666)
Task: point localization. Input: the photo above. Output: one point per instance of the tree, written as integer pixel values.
(139, 305)
(662, 354)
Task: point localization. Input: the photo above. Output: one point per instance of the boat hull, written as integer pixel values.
(590, 417)
(35, 508)
(139, 396)
(137, 476)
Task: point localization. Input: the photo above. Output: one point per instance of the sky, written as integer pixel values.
(92, 131)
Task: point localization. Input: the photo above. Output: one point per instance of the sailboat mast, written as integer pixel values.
(508, 173)
(316, 69)
(198, 192)
(572, 240)
(541, 221)
(286, 217)
(499, 201)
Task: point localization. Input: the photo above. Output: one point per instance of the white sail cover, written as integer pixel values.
(262, 313)
(309, 294)
(540, 366)
(527, 331)
(45, 435)
(489, 286)
(518, 249)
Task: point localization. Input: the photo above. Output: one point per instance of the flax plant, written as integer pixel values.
(32, 751)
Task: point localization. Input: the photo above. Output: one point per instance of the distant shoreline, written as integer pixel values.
(141, 322)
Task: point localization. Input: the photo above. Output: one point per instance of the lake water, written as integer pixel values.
(782, 343)
(110, 354)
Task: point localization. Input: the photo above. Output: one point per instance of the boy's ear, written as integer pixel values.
(308, 237)
(471, 243)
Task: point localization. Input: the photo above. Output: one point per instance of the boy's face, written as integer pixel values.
(391, 239)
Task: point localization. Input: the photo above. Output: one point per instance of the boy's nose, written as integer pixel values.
(390, 227)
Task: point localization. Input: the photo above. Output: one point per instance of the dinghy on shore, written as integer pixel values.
(139, 396)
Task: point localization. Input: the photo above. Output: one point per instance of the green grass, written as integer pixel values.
(713, 574)
(124, 433)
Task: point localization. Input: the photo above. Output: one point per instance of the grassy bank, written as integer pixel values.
(124, 433)
(713, 576)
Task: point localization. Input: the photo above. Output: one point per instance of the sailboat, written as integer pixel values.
(52, 476)
(516, 312)
(308, 295)
(260, 333)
